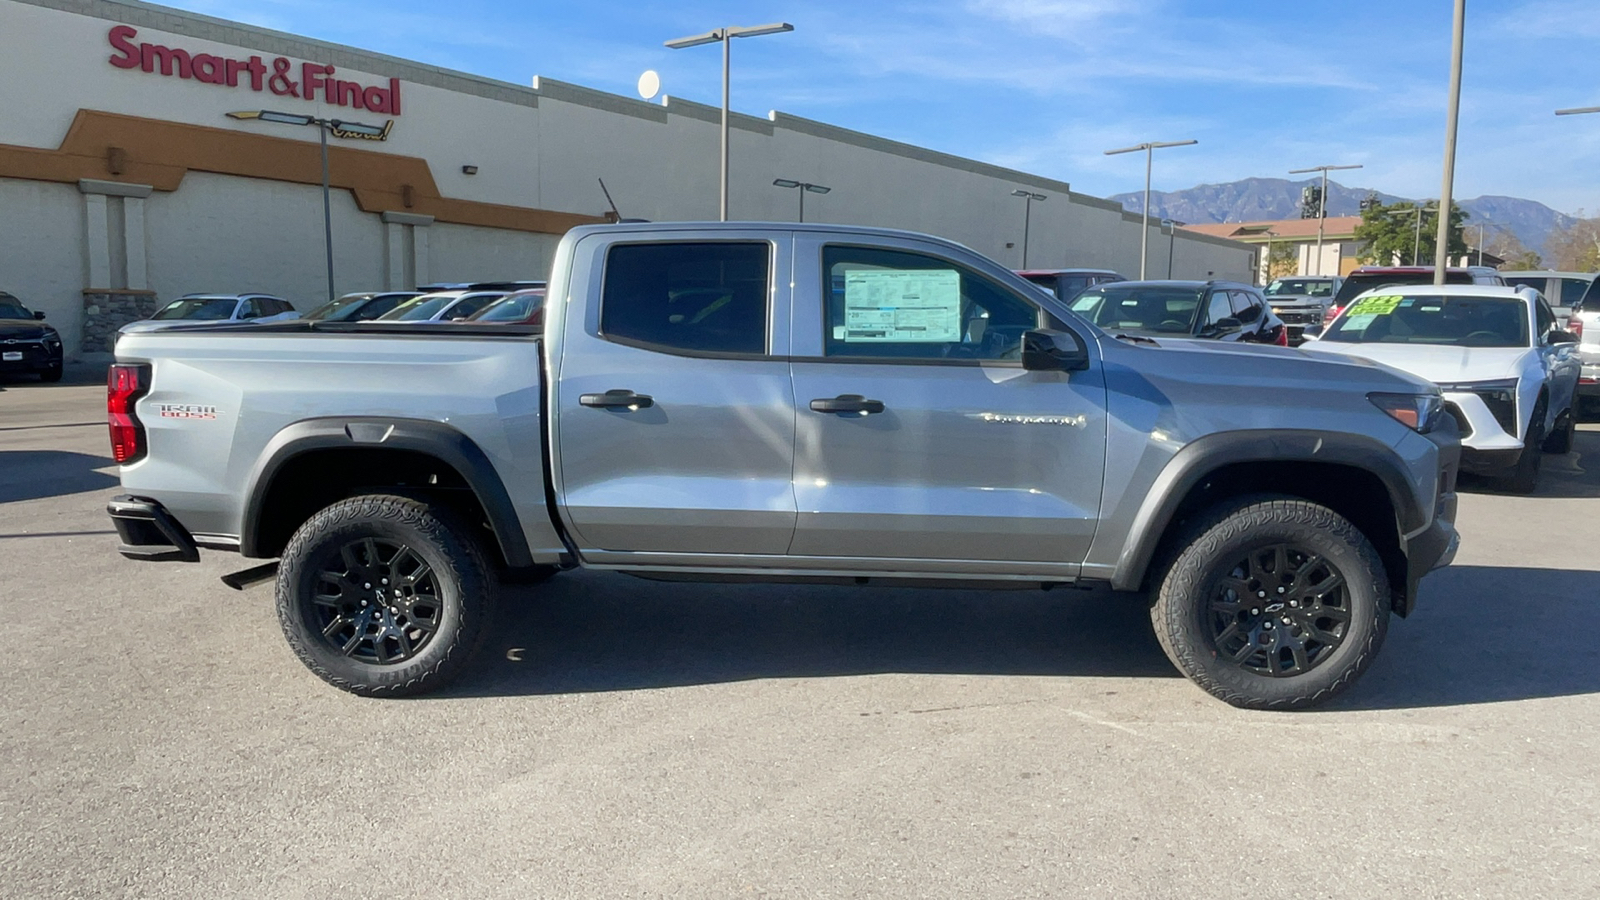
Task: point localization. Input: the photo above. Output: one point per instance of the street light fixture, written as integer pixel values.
(1322, 203)
(726, 35)
(804, 187)
(323, 127)
(1027, 214)
(1144, 230)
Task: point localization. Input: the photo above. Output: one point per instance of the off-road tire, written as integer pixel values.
(462, 587)
(1204, 555)
(1560, 440)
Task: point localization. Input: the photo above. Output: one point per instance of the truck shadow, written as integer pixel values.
(35, 474)
(1480, 635)
(588, 631)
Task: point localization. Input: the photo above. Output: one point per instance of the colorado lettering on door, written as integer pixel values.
(310, 81)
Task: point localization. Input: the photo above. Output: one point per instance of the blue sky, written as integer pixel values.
(1047, 85)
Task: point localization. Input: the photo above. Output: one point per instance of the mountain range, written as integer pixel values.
(1263, 199)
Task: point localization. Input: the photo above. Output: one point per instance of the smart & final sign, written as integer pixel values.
(309, 82)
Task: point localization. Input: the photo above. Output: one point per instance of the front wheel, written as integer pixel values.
(382, 595)
(1273, 603)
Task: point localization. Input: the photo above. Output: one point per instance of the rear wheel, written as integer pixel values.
(1273, 603)
(383, 595)
(52, 374)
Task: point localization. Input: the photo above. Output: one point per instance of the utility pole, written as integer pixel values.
(1441, 252)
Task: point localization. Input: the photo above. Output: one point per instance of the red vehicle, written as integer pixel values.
(1368, 277)
(518, 308)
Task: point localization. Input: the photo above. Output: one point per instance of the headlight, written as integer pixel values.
(1418, 412)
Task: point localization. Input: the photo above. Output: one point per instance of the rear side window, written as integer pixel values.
(1572, 291)
(688, 297)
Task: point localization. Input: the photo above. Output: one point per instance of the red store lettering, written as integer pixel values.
(207, 68)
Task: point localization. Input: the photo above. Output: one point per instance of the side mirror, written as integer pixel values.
(1054, 351)
(1225, 325)
(1312, 332)
(38, 314)
(1558, 336)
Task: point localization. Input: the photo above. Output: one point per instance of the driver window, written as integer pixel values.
(892, 303)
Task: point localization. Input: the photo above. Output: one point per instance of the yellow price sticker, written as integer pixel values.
(1376, 306)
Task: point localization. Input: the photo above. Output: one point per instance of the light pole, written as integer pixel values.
(323, 127)
(1144, 229)
(1481, 226)
(1322, 203)
(1172, 241)
(1441, 250)
(803, 187)
(1027, 213)
(726, 36)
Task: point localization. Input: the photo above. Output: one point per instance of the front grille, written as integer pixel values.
(1460, 417)
(1292, 317)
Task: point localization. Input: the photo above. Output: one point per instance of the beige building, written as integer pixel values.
(125, 183)
(1339, 245)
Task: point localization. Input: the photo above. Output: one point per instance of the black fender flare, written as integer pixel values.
(435, 439)
(1199, 458)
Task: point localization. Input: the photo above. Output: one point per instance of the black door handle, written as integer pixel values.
(847, 405)
(621, 398)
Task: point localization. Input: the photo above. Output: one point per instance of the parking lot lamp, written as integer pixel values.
(323, 127)
(1322, 203)
(804, 187)
(726, 36)
(1144, 230)
(1027, 213)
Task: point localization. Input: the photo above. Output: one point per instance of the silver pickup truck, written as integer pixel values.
(780, 403)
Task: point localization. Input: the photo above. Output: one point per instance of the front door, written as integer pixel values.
(675, 415)
(920, 438)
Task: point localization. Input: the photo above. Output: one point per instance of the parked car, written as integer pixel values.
(1069, 283)
(1213, 310)
(443, 306)
(1367, 278)
(517, 308)
(1585, 324)
(1508, 373)
(191, 308)
(359, 307)
(479, 286)
(1302, 302)
(697, 408)
(1562, 290)
(26, 343)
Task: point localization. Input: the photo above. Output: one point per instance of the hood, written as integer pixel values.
(1438, 364)
(1297, 300)
(1279, 365)
(22, 330)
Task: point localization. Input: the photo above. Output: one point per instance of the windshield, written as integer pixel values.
(1451, 321)
(514, 308)
(198, 308)
(9, 310)
(1146, 310)
(1310, 287)
(419, 309)
(338, 310)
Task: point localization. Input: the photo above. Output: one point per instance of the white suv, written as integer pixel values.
(1508, 374)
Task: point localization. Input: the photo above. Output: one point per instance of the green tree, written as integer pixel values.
(1283, 260)
(1390, 234)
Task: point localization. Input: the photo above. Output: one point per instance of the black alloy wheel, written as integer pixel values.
(383, 595)
(376, 601)
(1281, 610)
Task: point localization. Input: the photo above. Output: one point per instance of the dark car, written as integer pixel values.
(479, 286)
(360, 307)
(1213, 310)
(26, 343)
(1069, 283)
(1366, 278)
(519, 308)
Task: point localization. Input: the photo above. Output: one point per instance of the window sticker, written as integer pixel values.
(902, 305)
(1359, 322)
(1376, 306)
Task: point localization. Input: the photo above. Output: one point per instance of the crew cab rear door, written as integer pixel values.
(920, 439)
(674, 411)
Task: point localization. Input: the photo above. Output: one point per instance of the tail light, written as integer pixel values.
(1575, 326)
(124, 386)
(1332, 313)
(1283, 336)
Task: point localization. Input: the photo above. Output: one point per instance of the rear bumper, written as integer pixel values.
(148, 532)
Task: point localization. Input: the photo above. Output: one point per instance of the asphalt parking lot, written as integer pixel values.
(158, 739)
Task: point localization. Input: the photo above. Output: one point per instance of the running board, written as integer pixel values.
(252, 576)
